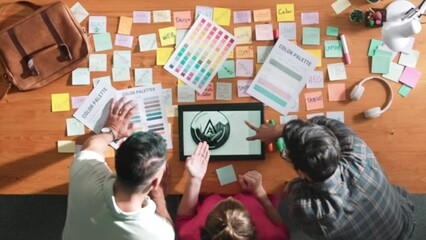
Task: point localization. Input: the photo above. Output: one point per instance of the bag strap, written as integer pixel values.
(62, 45)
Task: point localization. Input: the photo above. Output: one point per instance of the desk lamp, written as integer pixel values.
(402, 22)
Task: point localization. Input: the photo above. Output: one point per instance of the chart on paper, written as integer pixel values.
(201, 53)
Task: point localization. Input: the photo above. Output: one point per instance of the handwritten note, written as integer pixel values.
(143, 76)
(97, 24)
(333, 49)
(336, 71)
(224, 91)
(409, 59)
(314, 100)
(243, 35)
(141, 17)
(182, 20)
(66, 146)
(98, 62)
(222, 16)
(288, 30)
(80, 76)
(244, 52)
(204, 10)
(311, 36)
(310, 18)
(227, 70)
(336, 92)
(167, 36)
(264, 32)
(208, 93)
(242, 17)
(315, 79)
(340, 5)
(262, 53)
(102, 41)
(74, 127)
(120, 74)
(243, 85)
(122, 59)
(60, 102)
(410, 77)
(262, 15)
(80, 13)
(123, 40)
(76, 101)
(285, 12)
(147, 42)
(125, 25)
(318, 54)
(244, 68)
(185, 93)
(395, 72)
(161, 16)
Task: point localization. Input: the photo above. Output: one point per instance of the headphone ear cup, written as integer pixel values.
(373, 112)
(357, 92)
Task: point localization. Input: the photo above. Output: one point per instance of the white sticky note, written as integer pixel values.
(224, 91)
(74, 127)
(264, 32)
(409, 59)
(168, 97)
(244, 67)
(287, 30)
(288, 118)
(336, 71)
(97, 24)
(98, 62)
(395, 72)
(66, 146)
(338, 115)
(141, 17)
(143, 76)
(311, 115)
(106, 80)
(161, 16)
(185, 93)
(340, 5)
(310, 18)
(80, 13)
(207, 11)
(120, 74)
(180, 34)
(315, 79)
(226, 175)
(263, 53)
(122, 59)
(123, 40)
(81, 76)
(147, 42)
(243, 85)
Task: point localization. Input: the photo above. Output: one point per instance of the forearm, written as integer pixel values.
(189, 201)
(98, 143)
(271, 212)
(161, 208)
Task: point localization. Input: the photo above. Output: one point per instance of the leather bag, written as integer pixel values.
(41, 47)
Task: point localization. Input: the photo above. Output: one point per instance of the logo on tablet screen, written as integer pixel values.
(212, 127)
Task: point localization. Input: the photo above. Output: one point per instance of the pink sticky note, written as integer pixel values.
(77, 101)
(242, 16)
(182, 20)
(336, 92)
(314, 100)
(410, 76)
(243, 85)
(141, 17)
(208, 94)
(264, 32)
(123, 40)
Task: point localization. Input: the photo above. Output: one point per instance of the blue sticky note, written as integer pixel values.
(374, 44)
(102, 41)
(333, 49)
(226, 175)
(311, 36)
(227, 70)
(404, 90)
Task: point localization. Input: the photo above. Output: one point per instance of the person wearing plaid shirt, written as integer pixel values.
(341, 192)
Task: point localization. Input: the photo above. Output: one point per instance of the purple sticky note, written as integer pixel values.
(123, 40)
(410, 77)
(242, 16)
(77, 101)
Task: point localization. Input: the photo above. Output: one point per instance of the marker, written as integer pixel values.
(345, 49)
(271, 145)
(276, 34)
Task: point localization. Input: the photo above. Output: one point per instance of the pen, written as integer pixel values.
(279, 143)
(345, 49)
(276, 34)
(270, 145)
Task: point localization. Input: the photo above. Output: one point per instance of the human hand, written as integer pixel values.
(251, 181)
(266, 133)
(119, 118)
(198, 162)
(161, 190)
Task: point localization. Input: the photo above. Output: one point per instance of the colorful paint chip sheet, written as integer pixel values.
(201, 53)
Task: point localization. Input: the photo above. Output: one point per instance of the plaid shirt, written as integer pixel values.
(356, 202)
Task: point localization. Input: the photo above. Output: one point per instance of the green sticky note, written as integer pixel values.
(404, 90)
(333, 49)
(395, 72)
(226, 175)
(380, 64)
(332, 31)
(385, 53)
(227, 69)
(374, 44)
(102, 41)
(311, 36)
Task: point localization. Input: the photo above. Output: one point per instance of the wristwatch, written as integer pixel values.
(108, 130)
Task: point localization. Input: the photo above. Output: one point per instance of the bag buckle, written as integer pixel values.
(65, 51)
(31, 65)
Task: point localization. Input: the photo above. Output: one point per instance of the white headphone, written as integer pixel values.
(358, 90)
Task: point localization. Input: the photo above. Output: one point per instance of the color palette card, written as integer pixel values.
(201, 53)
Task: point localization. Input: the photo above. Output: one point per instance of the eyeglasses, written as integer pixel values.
(284, 156)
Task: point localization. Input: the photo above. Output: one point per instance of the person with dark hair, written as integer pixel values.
(214, 217)
(129, 204)
(341, 191)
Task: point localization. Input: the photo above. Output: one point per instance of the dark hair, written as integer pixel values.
(229, 220)
(313, 148)
(139, 158)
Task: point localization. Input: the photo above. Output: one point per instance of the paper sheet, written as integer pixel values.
(374, 44)
(404, 90)
(288, 118)
(76, 101)
(338, 115)
(318, 54)
(332, 31)
(122, 59)
(180, 35)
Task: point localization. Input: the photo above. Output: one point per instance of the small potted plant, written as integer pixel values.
(356, 16)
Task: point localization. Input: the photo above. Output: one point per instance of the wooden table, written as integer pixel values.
(30, 164)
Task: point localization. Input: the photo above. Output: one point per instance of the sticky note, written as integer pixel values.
(163, 55)
(314, 100)
(288, 118)
(311, 115)
(74, 127)
(180, 82)
(147, 42)
(310, 18)
(332, 31)
(333, 49)
(264, 32)
(380, 64)
(204, 10)
(66, 146)
(243, 35)
(102, 42)
(410, 76)
(295, 106)
(185, 94)
(242, 17)
(340, 5)
(167, 36)
(404, 90)
(223, 91)
(167, 96)
(98, 62)
(374, 44)
(231, 55)
(318, 54)
(123, 40)
(180, 34)
(226, 175)
(387, 49)
(242, 86)
(311, 36)
(244, 68)
(285, 12)
(80, 13)
(336, 92)
(125, 25)
(76, 101)
(60, 102)
(97, 24)
(337, 115)
(244, 52)
(409, 59)
(315, 79)
(120, 74)
(182, 19)
(161, 16)
(288, 30)
(262, 15)
(141, 17)
(222, 16)
(208, 93)
(395, 72)
(262, 53)
(258, 67)
(336, 71)
(122, 59)
(80, 76)
(143, 76)
(106, 80)
(227, 70)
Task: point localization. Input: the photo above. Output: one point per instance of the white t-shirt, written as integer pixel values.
(93, 214)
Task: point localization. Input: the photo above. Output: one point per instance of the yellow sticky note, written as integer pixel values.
(66, 146)
(231, 55)
(222, 16)
(258, 67)
(285, 12)
(243, 35)
(244, 52)
(125, 25)
(60, 102)
(163, 54)
(262, 15)
(167, 36)
(180, 82)
(318, 54)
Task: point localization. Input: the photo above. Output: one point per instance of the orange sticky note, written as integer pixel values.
(336, 92)
(125, 25)
(60, 102)
(244, 52)
(182, 20)
(262, 15)
(314, 100)
(208, 94)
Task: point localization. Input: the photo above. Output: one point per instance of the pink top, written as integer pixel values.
(188, 227)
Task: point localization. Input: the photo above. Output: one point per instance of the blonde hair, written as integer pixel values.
(229, 220)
